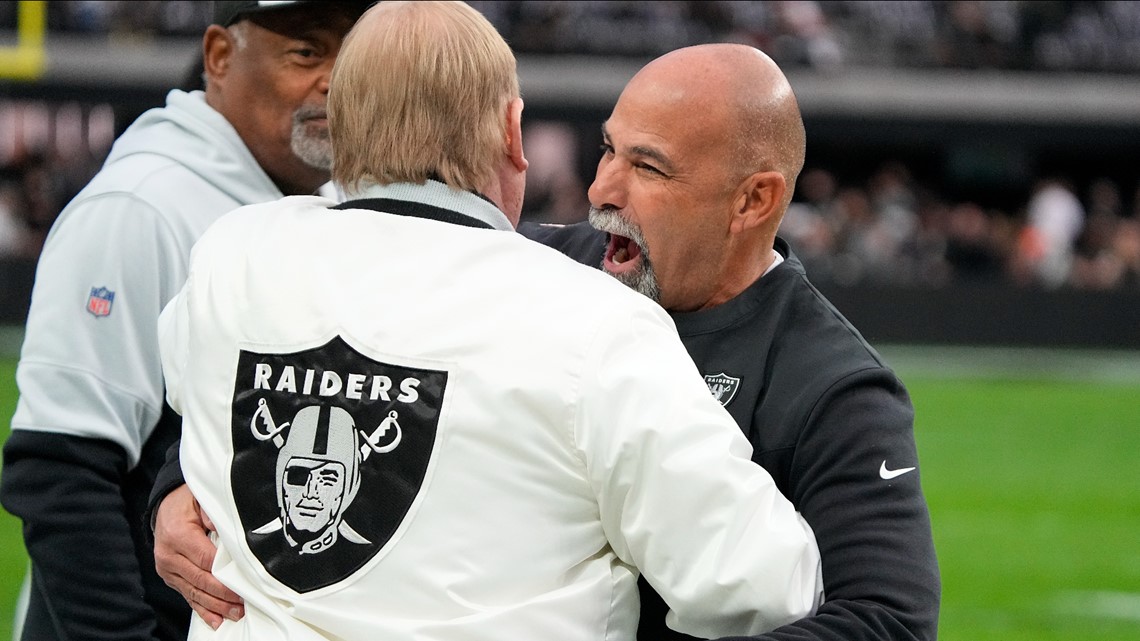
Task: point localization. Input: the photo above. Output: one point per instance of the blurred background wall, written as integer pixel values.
(971, 172)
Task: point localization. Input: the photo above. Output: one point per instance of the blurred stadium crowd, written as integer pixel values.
(1044, 35)
(890, 228)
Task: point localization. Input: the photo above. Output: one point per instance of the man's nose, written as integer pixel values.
(325, 77)
(608, 188)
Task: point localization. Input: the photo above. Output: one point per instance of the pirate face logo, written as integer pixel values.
(723, 387)
(318, 474)
(313, 491)
(321, 494)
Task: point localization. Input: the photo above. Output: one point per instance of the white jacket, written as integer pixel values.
(412, 429)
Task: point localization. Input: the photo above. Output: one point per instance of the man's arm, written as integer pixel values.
(881, 578)
(184, 554)
(68, 492)
(680, 498)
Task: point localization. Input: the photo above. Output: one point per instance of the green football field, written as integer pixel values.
(1030, 463)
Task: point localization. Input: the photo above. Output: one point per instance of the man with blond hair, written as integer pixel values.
(429, 427)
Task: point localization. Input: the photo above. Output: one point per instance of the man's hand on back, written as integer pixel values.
(184, 554)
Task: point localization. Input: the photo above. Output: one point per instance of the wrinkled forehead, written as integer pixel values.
(667, 117)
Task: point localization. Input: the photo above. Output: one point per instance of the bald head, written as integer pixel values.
(699, 163)
(742, 95)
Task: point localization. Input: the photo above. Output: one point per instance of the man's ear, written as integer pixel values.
(217, 50)
(760, 201)
(514, 134)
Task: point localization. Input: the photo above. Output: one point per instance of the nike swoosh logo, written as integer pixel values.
(886, 474)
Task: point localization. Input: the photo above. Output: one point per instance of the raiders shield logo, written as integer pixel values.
(722, 386)
(330, 451)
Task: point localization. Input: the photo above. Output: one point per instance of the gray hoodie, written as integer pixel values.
(127, 236)
(90, 430)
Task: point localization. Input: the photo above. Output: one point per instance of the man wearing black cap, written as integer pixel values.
(91, 428)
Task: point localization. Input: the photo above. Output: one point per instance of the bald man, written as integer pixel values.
(700, 159)
(686, 210)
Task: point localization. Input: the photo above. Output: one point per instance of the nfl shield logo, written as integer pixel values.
(722, 386)
(99, 302)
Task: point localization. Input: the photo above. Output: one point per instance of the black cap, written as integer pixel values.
(227, 13)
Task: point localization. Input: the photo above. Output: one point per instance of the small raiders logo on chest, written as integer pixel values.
(723, 387)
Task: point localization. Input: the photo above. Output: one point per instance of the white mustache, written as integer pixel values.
(611, 221)
(309, 112)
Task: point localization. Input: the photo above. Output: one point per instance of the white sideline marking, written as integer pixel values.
(946, 362)
(1101, 604)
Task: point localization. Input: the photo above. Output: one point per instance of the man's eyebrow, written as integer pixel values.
(649, 152)
(642, 151)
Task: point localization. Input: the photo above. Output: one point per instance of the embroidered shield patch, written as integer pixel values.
(330, 451)
(722, 386)
(99, 301)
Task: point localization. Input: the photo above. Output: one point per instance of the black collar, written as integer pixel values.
(414, 209)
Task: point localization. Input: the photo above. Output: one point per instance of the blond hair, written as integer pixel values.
(420, 91)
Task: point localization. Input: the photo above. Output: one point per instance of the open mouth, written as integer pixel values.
(622, 254)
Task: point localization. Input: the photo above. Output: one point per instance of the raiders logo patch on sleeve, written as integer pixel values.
(330, 451)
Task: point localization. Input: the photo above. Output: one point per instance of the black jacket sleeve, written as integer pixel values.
(85, 571)
(880, 573)
(168, 479)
